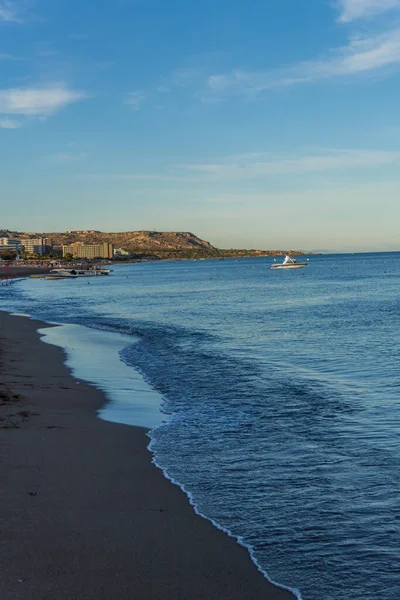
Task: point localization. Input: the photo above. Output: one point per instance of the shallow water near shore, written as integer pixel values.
(94, 355)
(282, 390)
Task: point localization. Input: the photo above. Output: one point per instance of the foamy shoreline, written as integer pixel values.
(98, 507)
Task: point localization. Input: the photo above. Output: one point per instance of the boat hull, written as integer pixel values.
(293, 266)
(63, 273)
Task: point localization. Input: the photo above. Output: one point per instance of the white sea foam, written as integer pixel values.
(131, 400)
(239, 539)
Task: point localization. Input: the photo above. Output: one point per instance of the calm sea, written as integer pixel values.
(280, 396)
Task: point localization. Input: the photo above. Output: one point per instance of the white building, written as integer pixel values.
(121, 252)
(36, 245)
(10, 244)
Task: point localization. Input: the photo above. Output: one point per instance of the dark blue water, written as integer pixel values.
(284, 396)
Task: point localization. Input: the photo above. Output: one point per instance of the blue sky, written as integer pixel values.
(265, 123)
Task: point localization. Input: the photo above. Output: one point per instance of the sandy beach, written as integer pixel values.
(84, 512)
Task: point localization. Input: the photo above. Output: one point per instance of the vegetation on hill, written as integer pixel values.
(156, 245)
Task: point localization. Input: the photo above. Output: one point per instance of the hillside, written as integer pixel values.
(146, 244)
(141, 243)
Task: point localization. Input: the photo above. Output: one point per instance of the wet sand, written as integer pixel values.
(84, 512)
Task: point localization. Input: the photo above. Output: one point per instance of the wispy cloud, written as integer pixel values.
(350, 10)
(134, 100)
(67, 157)
(10, 124)
(9, 12)
(183, 77)
(78, 36)
(361, 55)
(38, 101)
(6, 56)
(258, 166)
(331, 160)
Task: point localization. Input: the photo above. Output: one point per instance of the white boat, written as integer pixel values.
(79, 272)
(289, 263)
(101, 271)
(70, 273)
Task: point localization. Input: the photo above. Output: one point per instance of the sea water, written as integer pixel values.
(274, 397)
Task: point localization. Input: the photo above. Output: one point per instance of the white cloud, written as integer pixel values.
(183, 77)
(260, 166)
(10, 124)
(67, 157)
(6, 56)
(134, 100)
(78, 36)
(361, 55)
(9, 12)
(38, 101)
(331, 160)
(350, 10)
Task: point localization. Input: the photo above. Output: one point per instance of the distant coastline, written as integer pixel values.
(147, 245)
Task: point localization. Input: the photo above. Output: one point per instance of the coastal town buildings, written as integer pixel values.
(10, 245)
(36, 245)
(83, 250)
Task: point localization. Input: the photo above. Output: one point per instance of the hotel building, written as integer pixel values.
(36, 245)
(83, 250)
(10, 245)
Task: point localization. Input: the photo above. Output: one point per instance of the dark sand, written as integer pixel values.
(14, 272)
(83, 512)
